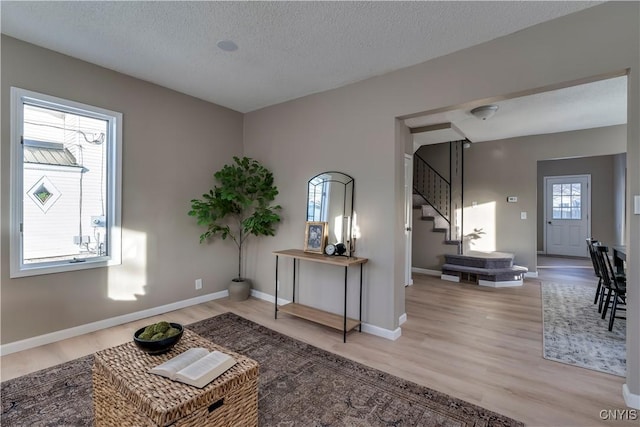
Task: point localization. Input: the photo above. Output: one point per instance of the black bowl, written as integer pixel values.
(159, 346)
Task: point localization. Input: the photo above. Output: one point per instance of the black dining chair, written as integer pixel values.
(616, 288)
(596, 269)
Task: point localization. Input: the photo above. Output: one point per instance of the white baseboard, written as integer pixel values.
(630, 399)
(450, 278)
(402, 319)
(426, 271)
(500, 284)
(267, 297)
(28, 343)
(381, 332)
(369, 329)
(531, 274)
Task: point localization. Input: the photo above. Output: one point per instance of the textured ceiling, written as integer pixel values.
(286, 49)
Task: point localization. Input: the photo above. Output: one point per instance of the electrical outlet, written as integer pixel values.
(198, 283)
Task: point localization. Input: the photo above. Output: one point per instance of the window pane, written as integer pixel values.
(566, 201)
(64, 176)
(576, 189)
(318, 199)
(575, 202)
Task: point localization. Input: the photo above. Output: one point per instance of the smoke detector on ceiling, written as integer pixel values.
(484, 112)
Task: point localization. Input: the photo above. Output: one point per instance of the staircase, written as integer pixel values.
(426, 212)
(438, 198)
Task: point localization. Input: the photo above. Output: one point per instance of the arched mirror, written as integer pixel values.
(330, 199)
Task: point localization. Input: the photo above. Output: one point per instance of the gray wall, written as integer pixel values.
(172, 144)
(602, 192)
(619, 194)
(354, 129)
(427, 247)
(509, 167)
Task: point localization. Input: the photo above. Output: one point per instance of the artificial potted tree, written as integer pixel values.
(238, 207)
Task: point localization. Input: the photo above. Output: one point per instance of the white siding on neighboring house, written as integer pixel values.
(40, 238)
(42, 124)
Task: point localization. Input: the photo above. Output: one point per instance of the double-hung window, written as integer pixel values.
(65, 185)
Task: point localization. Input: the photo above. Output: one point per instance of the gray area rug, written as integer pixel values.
(574, 332)
(299, 385)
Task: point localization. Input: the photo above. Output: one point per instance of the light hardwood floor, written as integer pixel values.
(482, 345)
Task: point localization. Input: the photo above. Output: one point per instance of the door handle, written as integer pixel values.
(408, 229)
(548, 222)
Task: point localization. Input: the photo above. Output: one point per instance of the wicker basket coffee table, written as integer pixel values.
(125, 394)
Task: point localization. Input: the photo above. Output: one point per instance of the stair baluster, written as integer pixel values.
(433, 187)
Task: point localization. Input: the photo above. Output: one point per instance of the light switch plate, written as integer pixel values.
(512, 199)
(636, 205)
(523, 215)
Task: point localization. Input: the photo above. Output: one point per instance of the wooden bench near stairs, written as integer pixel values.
(494, 269)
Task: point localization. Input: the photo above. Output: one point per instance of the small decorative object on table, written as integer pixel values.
(159, 337)
(315, 236)
(337, 249)
(196, 366)
(330, 249)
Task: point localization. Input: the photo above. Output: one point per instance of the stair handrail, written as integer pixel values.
(429, 200)
(430, 167)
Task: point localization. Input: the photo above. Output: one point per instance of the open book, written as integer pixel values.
(196, 366)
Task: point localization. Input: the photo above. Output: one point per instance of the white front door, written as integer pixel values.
(567, 214)
(408, 215)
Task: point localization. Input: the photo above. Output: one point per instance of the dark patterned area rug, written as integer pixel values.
(299, 385)
(575, 333)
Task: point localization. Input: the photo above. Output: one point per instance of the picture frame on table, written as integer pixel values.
(315, 236)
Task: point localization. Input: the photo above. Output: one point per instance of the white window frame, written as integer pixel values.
(114, 184)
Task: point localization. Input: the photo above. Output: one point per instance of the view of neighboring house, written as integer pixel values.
(64, 187)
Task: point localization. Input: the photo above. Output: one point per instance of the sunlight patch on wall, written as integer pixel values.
(480, 227)
(338, 228)
(129, 279)
(355, 230)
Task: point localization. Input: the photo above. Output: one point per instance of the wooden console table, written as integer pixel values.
(322, 317)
